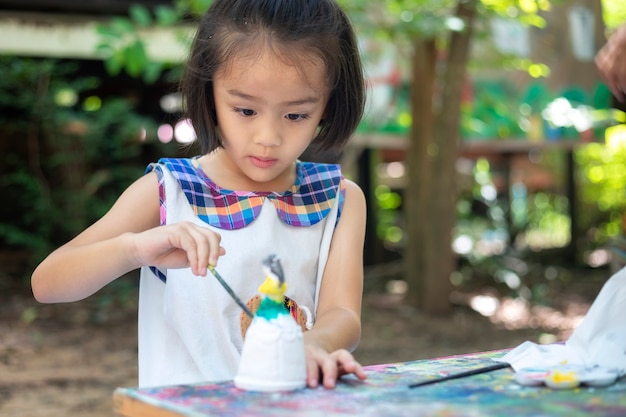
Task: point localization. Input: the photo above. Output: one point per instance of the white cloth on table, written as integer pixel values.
(599, 341)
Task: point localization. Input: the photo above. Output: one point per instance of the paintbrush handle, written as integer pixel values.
(230, 291)
(482, 370)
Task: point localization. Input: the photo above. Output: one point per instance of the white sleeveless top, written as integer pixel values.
(189, 327)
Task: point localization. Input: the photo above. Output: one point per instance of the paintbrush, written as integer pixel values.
(230, 291)
(483, 370)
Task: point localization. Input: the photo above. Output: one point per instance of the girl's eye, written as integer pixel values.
(245, 112)
(296, 117)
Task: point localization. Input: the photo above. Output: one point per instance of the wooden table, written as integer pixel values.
(385, 393)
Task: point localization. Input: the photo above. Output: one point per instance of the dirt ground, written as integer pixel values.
(66, 360)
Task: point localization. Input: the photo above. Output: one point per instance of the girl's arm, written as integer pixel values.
(124, 239)
(337, 328)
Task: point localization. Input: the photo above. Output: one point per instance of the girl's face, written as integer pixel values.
(268, 111)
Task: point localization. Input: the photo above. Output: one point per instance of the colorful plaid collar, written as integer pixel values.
(308, 202)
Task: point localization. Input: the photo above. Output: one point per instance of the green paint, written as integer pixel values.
(270, 309)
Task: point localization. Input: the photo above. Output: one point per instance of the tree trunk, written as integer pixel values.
(418, 188)
(431, 194)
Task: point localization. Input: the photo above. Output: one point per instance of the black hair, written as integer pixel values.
(297, 28)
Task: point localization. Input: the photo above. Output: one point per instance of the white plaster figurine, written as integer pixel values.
(272, 358)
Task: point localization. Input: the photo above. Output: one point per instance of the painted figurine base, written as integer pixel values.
(272, 358)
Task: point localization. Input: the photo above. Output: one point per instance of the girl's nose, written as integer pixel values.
(268, 134)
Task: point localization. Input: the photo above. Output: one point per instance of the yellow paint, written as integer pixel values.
(274, 291)
(561, 377)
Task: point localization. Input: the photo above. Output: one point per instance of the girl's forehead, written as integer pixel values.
(308, 66)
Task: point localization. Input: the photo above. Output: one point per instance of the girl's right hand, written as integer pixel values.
(178, 245)
(127, 237)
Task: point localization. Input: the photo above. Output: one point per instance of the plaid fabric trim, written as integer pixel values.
(307, 203)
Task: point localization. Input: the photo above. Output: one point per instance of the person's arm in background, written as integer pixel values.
(611, 63)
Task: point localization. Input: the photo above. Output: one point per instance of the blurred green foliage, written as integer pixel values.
(76, 153)
(602, 178)
(67, 154)
(122, 46)
(614, 13)
(123, 49)
(496, 111)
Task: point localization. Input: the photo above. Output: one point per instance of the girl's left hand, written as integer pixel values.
(327, 367)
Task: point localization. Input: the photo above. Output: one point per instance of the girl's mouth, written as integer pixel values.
(262, 162)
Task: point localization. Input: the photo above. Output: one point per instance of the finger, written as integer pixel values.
(348, 365)
(203, 248)
(197, 248)
(354, 367)
(198, 257)
(215, 249)
(330, 371)
(312, 372)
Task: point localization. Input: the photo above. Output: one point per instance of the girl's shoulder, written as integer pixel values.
(183, 165)
(184, 171)
(313, 175)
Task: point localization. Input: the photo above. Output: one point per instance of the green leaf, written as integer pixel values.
(165, 15)
(140, 15)
(114, 63)
(533, 20)
(199, 6)
(105, 49)
(152, 72)
(136, 58)
(107, 31)
(122, 26)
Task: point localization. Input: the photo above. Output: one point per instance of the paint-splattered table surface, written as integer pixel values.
(385, 393)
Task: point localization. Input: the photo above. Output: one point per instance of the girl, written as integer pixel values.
(265, 80)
